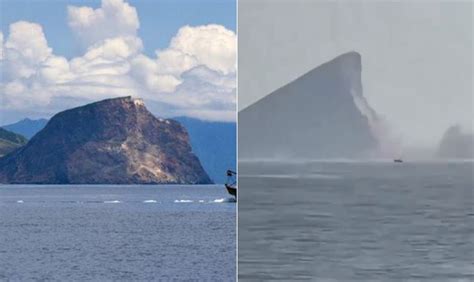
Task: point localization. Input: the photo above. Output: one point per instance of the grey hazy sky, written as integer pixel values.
(417, 56)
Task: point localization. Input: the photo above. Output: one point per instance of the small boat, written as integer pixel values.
(398, 160)
(231, 184)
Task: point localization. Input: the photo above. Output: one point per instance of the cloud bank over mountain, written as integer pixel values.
(194, 76)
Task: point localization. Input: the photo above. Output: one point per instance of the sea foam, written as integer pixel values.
(112, 202)
(183, 201)
(150, 201)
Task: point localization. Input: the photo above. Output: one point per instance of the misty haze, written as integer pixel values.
(416, 60)
(324, 114)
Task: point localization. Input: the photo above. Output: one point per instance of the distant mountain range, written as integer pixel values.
(27, 127)
(10, 141)
(322, 114)
(214, 143)
(114, 141)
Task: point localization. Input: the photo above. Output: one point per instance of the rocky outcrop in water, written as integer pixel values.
(322, 114)
(115, 141)
(456, 144)
(214, 143)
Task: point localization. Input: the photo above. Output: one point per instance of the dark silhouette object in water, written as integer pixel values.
(113, 141)
(308, 117)
(231, 183)
(398, 160)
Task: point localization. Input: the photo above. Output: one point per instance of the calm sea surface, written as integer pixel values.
(356, 221)
(117, 233)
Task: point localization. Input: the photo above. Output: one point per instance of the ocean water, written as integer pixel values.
(356, 221)
(111, 233)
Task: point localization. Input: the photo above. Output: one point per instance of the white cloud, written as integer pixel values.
(211, 45)
(204, 94)
(24, 95)
(29, 41)
(145, 71)
(114, 18)
(55, 69)
(1, 45)
(174, 61)
(24, 50)
(114, 48)
(27, 67)
(194, 76)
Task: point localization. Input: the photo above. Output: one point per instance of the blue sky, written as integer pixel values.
(159, 19)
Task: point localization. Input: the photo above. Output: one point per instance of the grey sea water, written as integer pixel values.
(356, 221)
(110, 233)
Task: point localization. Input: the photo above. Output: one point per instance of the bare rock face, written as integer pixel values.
(322, 114)
(114, 141)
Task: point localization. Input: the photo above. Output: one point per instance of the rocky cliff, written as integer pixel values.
(214, 143)
(115, 141)
(322, 114)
